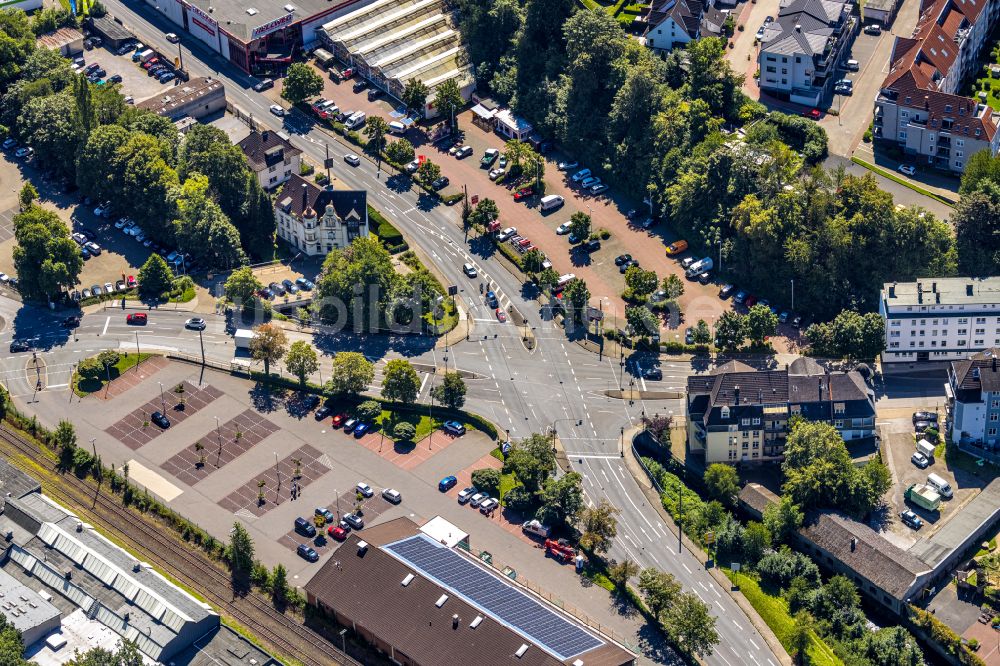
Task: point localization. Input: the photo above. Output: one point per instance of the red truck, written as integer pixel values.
(560, 550)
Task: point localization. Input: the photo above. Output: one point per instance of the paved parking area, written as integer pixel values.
(281, 482)
(132, 378)
(371, 509)
(133, 431)
(7, 224)
(135, 80)
(226, 443)
(408, 455)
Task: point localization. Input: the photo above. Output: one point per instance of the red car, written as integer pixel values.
(337, 532)
(338, 420)
(149, 63)
(812, 114)
(523, 193)
(750, 301)
(501, 315)
(131, 281)
(347, 73)
(137, 318)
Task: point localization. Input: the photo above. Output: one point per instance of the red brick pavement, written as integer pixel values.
(407, 455)
(244, 499)
(221, 446)
(507, 519)
(132, 377)
(131, 431)
(371, 508)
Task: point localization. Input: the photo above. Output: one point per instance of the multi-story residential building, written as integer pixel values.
(973, 390)
(671, 23)
(918, 107)
(271, 156)
(801, 50)
(739, 414)
(944, 319)
(317, 220)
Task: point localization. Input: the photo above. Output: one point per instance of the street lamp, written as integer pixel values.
(163, 404)
(623, 440)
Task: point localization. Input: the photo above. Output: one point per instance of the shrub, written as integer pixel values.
(404, 431)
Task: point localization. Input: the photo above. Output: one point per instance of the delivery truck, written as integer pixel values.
(926, 448)
(923, 496)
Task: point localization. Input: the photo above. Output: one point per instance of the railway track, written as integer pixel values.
(279, 632)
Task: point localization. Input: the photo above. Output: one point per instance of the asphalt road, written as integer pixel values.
(557, 385)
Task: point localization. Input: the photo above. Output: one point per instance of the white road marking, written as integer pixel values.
(106, 322)
(423, 383)
(756, 647)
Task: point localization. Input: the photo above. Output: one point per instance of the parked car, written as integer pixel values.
(488, 505)
(364, 489)
(812, 114)
(160, 419)
(496, 173)
(911, 519)
(676, 247)
(136, 319)
(356, 522)
(350, 424)
(338, 420)
(466, 494)
(19, 346)
(623, 259)
(506, 234)
(599, 188)
(447, 483)
(440, 183)
(412, 166)
(726, 291)
(266, 84)
(921, 426)
(873, 29)
(925, 416)
(307, 553)
(337, 533)
(305, 527)
(276, 110)
(478, 499)
(920, 460)
(563, 229)
(361, 429)
(906, 169)
(566, 166)
(652, 373)
(323, 411)
(392, 496)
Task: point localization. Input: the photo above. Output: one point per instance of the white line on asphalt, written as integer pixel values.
(753, 657)
(756, 647)
(55, 386)
(423, 383)
(106, 322)
(685, 567)
(591, 456)
(737, 625)
(723, 658)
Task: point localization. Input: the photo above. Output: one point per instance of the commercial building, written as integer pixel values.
(258, 37)
(66, 41)
(201, 96)
(272, 156)
(390, 42)
(511, 126)
(882, 12)
(918, 107)
(317, 220)
(422, 603)
(943, 319)
(111, 31)
(801, 51)
(671, 23)
(55, 553)
(737, 414)
(28, 610)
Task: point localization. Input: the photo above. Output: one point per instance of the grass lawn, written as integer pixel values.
(507, 483)
(955, 458)
(83, 386)
(421, 422)
(774, 611)
(885, 173)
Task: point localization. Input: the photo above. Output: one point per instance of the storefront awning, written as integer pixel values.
(482, 112)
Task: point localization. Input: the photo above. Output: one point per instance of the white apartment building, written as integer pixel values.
(943, 319)
(271, 156)
(316, 220)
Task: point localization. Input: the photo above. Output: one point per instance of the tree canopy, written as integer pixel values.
(46, 259)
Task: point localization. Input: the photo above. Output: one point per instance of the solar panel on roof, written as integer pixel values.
(497, 598)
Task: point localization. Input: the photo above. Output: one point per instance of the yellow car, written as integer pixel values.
(676, 247)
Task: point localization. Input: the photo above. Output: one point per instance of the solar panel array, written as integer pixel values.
(498, 599)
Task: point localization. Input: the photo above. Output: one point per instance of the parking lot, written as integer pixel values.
(136, 81)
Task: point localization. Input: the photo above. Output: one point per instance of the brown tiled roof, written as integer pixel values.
(298, 194)
(259, 148)
(965, 112)
(367, 589)
(871, 556)
(757, 498)
(988, 376)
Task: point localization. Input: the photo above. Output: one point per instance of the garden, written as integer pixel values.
(989, 79)
(93, 373)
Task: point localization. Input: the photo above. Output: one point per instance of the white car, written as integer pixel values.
(352, 159)
(478, 499)
(906, 169)
(496, 173)
(488, 505)
(109, 288)
(506, 233)
(563, 229)
(364, 489)
(120, 224)
(4, 278)
(470, 270)
(465, 495)
(172, 37)
(412, 166)
(277, 110)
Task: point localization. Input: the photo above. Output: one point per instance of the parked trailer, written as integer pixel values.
(926, 448)
(923, 496)
(243, 337)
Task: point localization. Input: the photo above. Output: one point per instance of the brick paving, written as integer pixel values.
(277, 483)
(507, 519)
(132, 377)
(408, 455)
(129, 430)
(221, 446)
(371, 508)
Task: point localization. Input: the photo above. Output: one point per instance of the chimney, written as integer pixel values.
(798, 27)
(264, 134)
(854, 544)
(305, 196)
(892, 291)
(927, 102)
(920, 287)
(937, 297)
(454, 621)
(736, 395)
(934, 286)
(821, 390)
(994, 359)
(968, 290)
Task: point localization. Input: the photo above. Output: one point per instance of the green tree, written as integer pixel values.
(155, 277)
(532, 260)
(561, 499)
(870, 484)
(579, 225)
(801, 636)
(756, 540)
(599, 526)
(690, 625)
(415, 94)
(817, 467)
(279, 585)
(376, 129)
(400, 151)
(673, 286)
(54, 131)
(451, 391)
(240, 552)
(723, 483)
(448, 100)
(485, 212)
(487, 480)
(548, 278)
(92, 173)
(892, 645)
(531, 460)
(27, 196)
(641, 321)
(65, 438)
(659, 590)
(619, 573)
(975, 224)
(640, 282)
(761, 323)
(730, 331)
(400, 382)
(268, 344)
(404, 431)
(576, 298)
(702, 334)
(301, 360)
(981, 169)
(357, 284)
(369, 410)
(46, 259)
(242, 286)
(352, 374)
(428, 172)
(301, 83)
(783, 519)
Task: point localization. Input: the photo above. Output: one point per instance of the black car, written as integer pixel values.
(921, 426)
(307, 553)
(264, 85)
(592, 246)
(726, 291)
(71, 322)
(622, 259)
(303, 526)
(310, 402)
(627, 265)
(440, 183)
(924, 416)
(323, 412)
(159, 419)
(360, 85)
(652, 373)
(91, 235)
(115, 78)
(19, 346)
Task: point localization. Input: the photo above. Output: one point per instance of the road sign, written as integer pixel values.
(453, 290)
(709, 538)
(735, 566)
(475, 199)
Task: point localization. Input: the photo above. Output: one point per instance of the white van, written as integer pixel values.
(926, 448)
(552, 201)
(940, 485)
(535, 527)
(397, 127)
(699, 267)
(356, 120)
(564, 280)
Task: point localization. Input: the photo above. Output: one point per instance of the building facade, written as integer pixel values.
(671, 23)
(738, 414)
(315, 220)
(918, 107)
(201, 96)
(272, 157)
(973, 391)
(944, 319)
(801, 50)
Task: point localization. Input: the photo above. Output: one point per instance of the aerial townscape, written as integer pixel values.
(524, 332)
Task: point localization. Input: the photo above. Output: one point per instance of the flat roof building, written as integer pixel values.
(201, 96)
(66, 41)
(423, 603)
(27, 609)
(940, 319)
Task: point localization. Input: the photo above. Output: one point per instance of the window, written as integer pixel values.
(963, 331)
(994, 417)
(996, 404)
(839, 423)
(978, 343)
(771, 69)
(963, 320)
(798, 58)
(770, 58)
(961, 343)
(756, 421)
(980, 331)
(745, 422)
(960, 143)
(959, 153)
(958, 165)
(895, 322)
(784, 70)
(902, 135)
